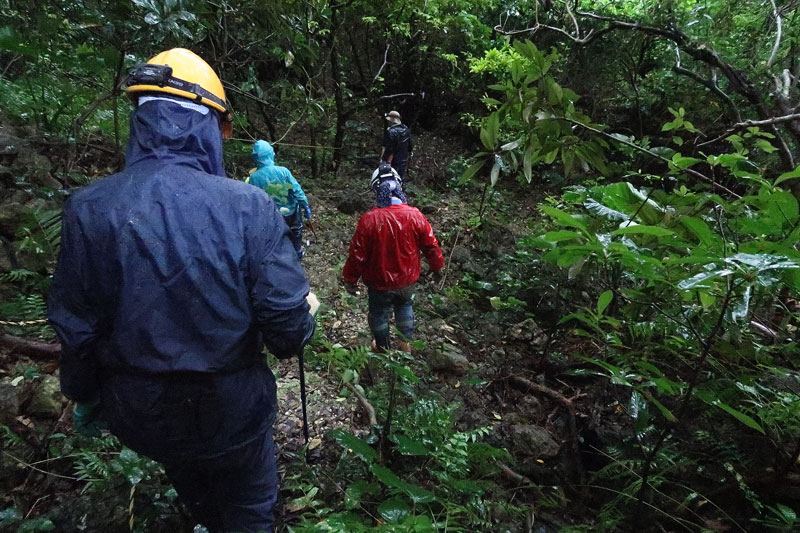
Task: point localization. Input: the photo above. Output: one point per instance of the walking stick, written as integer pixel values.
(303, 393)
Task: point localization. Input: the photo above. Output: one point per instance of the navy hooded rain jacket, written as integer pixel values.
(170, 279)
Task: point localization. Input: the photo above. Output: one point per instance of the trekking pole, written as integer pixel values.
(303, 393)
(314, 304)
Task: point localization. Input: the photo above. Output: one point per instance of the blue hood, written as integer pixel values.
(263, 154)
(165, 133)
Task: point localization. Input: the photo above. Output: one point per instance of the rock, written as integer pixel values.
(11, 216)
(34, 168)
(448, 358)
(479, 271)
(527, 330)
(10, 400)
(460, 255)
(12, 472)
(47, 400)
(533, 441)
(428, 209)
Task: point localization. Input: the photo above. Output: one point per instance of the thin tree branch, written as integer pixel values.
(713, 87)
(750, 123)
(779, 23)
(385, 62)
(689, 171)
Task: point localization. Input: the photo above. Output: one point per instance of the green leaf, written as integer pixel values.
(655, 231)
(407, 446)
(788, 176)
(390, 479)
(490, 130)
(603, 300)
(527, 164)
(702, 279)
(470, 172)
(360, 448)
(561, 235)
(356, 491)
(738, 415)
(684, 162)
(563, 218)
(495, 174)
(699, 229)
(394, 510)
(766, 146)
(550, 156)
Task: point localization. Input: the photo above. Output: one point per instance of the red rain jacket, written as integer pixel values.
(385, 249)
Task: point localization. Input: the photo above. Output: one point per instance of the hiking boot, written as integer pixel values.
(377, 349)
(403, 346)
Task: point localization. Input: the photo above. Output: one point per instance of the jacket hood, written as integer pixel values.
(263, 153)
(164, 132)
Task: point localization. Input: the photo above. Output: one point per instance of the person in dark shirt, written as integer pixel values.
(398, 146)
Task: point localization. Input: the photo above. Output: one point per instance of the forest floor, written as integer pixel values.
(487, 365)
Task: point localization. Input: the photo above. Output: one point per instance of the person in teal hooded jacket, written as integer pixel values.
(287, 194)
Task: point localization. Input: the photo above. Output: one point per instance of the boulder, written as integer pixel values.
(448, 358)
(10, 400)
(47, 400)
(527, 330)
(11, 216)
(533, 441)
(460, 255)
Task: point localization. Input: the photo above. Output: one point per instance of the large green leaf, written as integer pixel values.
(603, 301)
(394, 510)
(788, 176)
(470, 172)
(360, 448)
(356, 492)
(655, 231)
(711, 399)
(390, 479)
(563, 218)
(407, 446)
(699, 229)
(703, 279)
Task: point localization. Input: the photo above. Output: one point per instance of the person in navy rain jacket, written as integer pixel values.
(170, 280)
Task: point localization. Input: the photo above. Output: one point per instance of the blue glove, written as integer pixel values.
(87, 418)
(307, 210)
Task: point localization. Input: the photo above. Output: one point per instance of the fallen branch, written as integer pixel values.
(373, 420)
(513, 476)
(449, 258)
(33, 349)
(564, 402)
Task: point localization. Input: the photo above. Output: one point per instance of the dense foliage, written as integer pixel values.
(659, 143)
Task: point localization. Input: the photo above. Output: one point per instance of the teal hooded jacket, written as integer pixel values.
(276, 180)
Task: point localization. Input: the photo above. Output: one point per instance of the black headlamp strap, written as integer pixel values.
(161, 75)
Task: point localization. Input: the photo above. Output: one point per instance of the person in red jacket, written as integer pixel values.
(384, 253)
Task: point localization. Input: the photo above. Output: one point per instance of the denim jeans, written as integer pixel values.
(295, 223)
(381, 304)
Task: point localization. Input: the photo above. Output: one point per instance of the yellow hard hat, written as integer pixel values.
(183, 73)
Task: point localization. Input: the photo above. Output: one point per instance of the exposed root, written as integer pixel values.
(373, 419)
(35, 350)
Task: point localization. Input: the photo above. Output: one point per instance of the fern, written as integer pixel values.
(41, 232)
